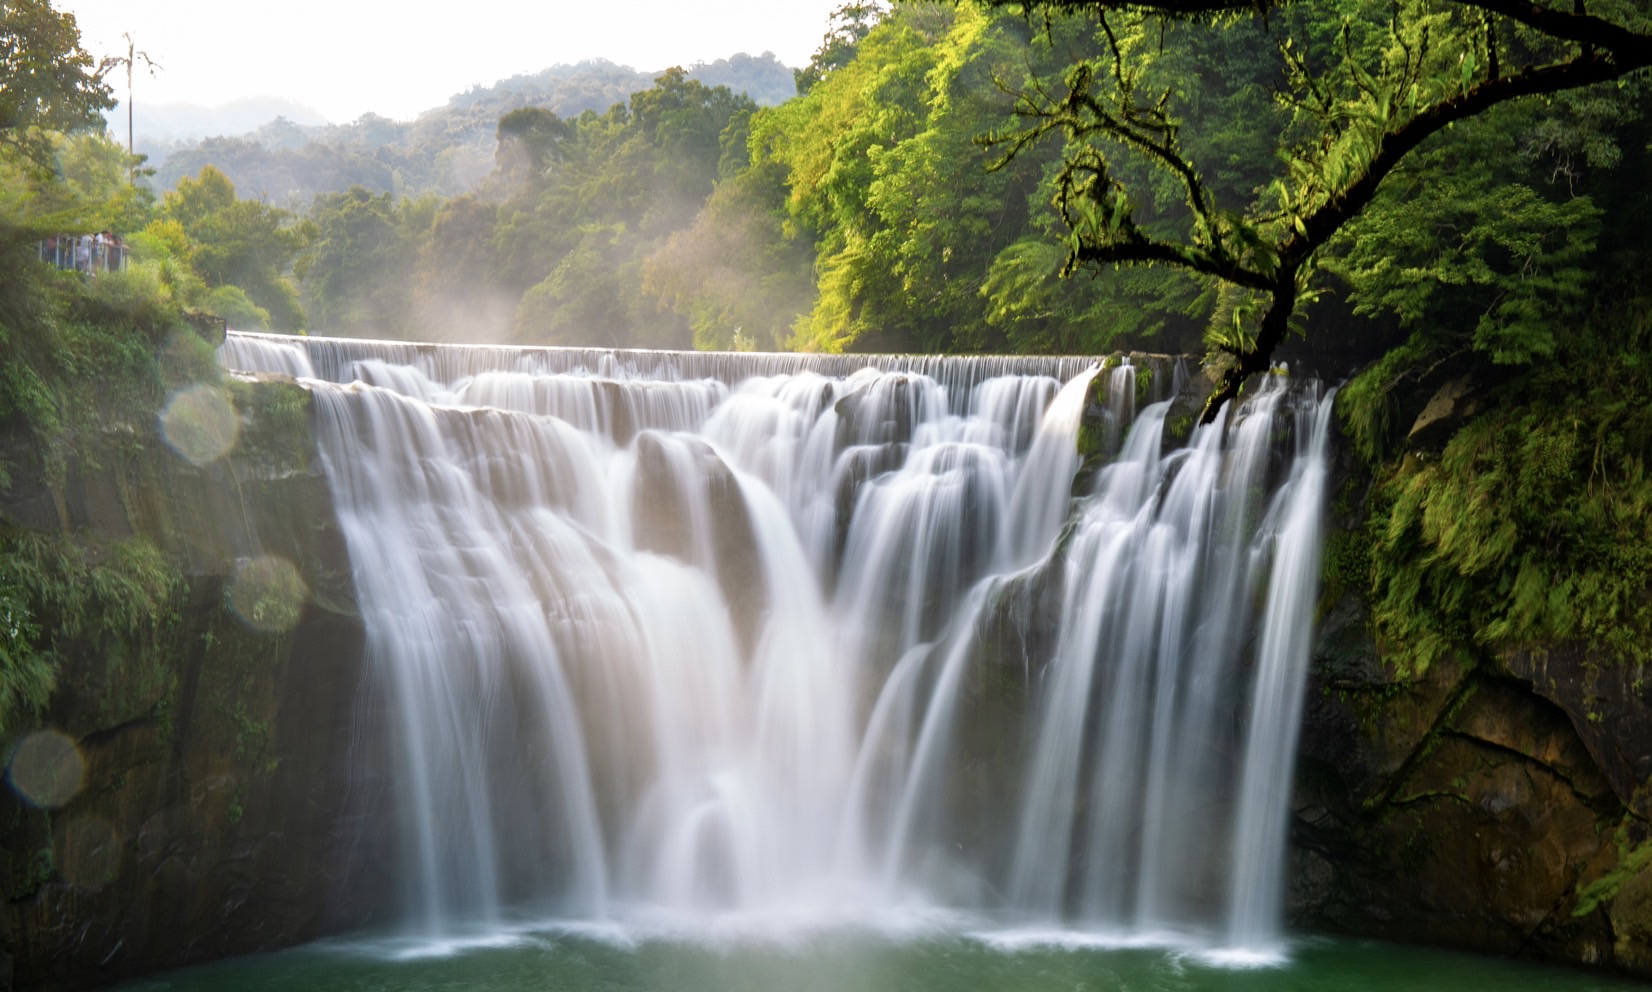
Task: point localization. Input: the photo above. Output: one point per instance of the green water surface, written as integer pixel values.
(554, 961)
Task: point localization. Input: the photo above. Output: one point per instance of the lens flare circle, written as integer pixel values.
(268, 594)
(200, 424)
(47, 769)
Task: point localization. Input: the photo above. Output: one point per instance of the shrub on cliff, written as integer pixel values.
(61, 593)
(1532, 522)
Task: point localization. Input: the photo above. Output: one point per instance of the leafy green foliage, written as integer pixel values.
(1367, 405)
(233, 304)
(89, 359)
(830, 141)
(1534, 523)
(81, 354)
(1632, 860)
(47, 81)
(1361, 88)
(1214, 157)
(849, 24)
(61, 593)
(99, 171)
(919, 244)
(458, 292)
(27, 674)
(861, 214)
(1485, 247)
(277, 422)
(136, 299)
(241, 244)
(356, 269)
(589, 297)
(734, 272)
(36, 205)
(530, 140)
(590, 202)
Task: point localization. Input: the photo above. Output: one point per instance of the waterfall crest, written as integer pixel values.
(804, 638)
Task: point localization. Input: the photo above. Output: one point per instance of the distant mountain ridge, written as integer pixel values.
(172, 123)
(290, 155)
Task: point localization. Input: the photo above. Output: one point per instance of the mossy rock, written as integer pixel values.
(1631, 916)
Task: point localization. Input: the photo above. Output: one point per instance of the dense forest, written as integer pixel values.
(1447, 197)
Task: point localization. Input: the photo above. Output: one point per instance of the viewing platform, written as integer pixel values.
(88, 253)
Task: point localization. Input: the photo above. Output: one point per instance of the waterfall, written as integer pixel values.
(789, 639)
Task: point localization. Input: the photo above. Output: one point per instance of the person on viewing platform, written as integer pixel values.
(104, 251)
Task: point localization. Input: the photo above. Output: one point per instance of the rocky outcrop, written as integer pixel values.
(222, 807)
(689, 506)
(1498, 804)
(1608, 703)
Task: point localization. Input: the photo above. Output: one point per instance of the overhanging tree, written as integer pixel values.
(1395, 75)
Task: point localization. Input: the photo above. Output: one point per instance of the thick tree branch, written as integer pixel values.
(1140, 135)
(1606, 51)
(1584, 29)
(1319, 226)
(1144, 251)
(1256, 359)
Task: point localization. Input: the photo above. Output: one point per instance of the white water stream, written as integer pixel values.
(711, 638)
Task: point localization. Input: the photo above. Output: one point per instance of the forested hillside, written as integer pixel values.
(862, 213)
(447, 150)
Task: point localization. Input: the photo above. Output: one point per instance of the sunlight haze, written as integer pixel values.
(347, 59)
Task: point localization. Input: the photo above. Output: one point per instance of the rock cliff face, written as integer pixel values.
(221, 809)
(1498, 804)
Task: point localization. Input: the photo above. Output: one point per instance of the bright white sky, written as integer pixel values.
(345, 58)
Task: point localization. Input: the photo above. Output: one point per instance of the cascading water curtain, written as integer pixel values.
(703, 637)
(1157, 786)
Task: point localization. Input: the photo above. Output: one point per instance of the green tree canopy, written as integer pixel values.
(587, 202)
(458, 293)
(246, 244)
(530, 140)
(830, 142)
(356, 269)
(850, 23)
(47, 81)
